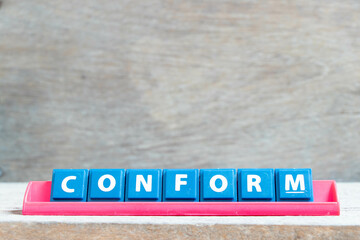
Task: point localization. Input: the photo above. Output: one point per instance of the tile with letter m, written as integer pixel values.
(294, 184)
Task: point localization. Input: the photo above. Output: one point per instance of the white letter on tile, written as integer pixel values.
(224, 183)
(178, 181)
(101, 183)
(64, 184)
(251, 183)
(294, 184)
(147, 184)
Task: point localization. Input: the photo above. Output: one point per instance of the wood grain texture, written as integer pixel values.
(13, 225)
(170, 84)
(114, 231)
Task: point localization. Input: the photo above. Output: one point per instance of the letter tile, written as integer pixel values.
(256, 184)
(294, 184)
(181, 185)
(218, 185)
(143, 185)
(106, 185)
(69, 185)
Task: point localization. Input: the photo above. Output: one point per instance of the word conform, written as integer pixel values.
(182, 185)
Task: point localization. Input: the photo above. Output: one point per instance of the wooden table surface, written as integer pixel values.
(179, 84)
(13, 225)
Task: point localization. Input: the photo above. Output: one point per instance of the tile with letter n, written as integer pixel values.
(69, 185)
(106, 185)
(218, 185)
(256, 184)
(294, 184)
(143, 185)
(181, 185)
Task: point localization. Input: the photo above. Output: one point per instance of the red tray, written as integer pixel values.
(37, 202)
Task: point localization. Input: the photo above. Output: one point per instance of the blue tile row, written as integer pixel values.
(184, 185)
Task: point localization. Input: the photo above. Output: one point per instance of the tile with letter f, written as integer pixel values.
(181, 185)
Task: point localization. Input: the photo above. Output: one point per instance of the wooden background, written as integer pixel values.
(179, 84)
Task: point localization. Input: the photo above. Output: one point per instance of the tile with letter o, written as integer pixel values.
(181, 185)
(218, 185)
(69, 185)
(143, 185)
(256, 184)
(106, 185)
(294, 184)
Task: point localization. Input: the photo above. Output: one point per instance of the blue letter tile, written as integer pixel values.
(181, 185)
(106, 185)
(256, 185)
(143, 185)
(69, 185)
(218, 185)
(294, 185)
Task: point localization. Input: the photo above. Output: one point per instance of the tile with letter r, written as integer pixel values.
(106, 185)
(181, 185)
(143, 185)
(294, 184)
(218, 185)
(256, 184)
(69, 185)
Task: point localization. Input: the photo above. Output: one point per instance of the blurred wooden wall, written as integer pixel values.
(179, 84)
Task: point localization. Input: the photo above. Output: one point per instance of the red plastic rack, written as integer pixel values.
(37, 202)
